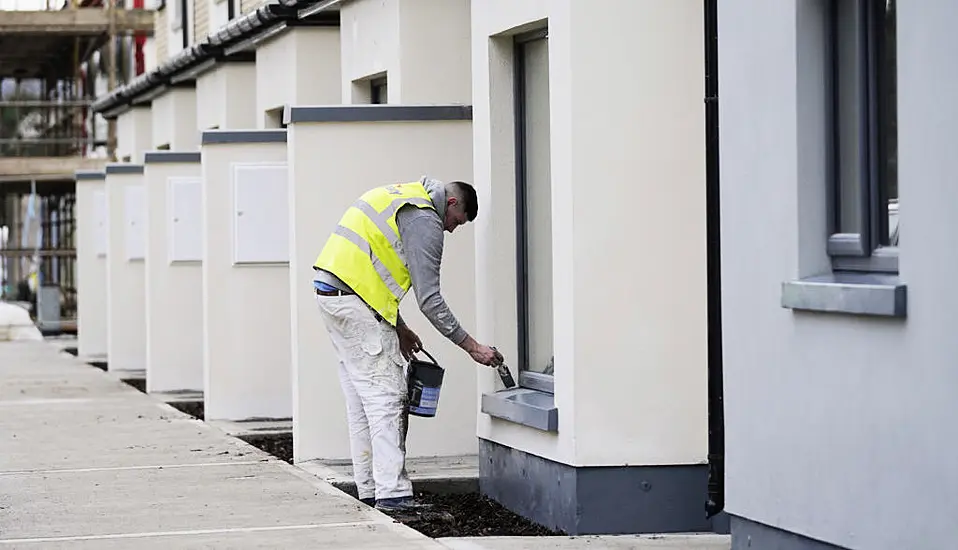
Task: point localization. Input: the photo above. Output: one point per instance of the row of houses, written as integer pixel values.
(779, 350)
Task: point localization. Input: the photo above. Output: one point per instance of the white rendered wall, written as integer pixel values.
(245, 308)
(217, 13)
(126, 295)
(840, 428)
(301, 66)
(134, 133)
(226, 96)
(174, 120)
(326, 176)
(91, 268)
(422, 46)
(628, 210)
(174, 291)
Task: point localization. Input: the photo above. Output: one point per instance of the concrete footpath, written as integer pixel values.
(87, 461)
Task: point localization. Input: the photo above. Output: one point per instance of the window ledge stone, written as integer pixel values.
(877, 294)
(525, 406)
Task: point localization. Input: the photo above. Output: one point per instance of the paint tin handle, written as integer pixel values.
(431, 358)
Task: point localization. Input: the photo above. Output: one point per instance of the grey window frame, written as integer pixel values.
(863, 250)
(532, 380)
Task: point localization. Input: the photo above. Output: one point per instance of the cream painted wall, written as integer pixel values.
(494, 157)
(630, 356)
(325, 179)
(423, 47)
(126, 299)
(134, 133)
(301, 66)
(91, 271)
(174, 291)
(370, 44)
(245, 309)
(434, 42)
(226, 97)
(174, 120)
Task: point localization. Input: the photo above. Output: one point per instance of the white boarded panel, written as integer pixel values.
(260, 214)
(184, 206)
(100, 223)
(134, 212)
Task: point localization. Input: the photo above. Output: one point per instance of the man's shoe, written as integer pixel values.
(371, 501)
(401, 504)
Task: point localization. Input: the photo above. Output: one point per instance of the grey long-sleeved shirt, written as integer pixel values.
(422, 238)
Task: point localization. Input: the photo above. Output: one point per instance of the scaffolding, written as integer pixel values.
(54, 61)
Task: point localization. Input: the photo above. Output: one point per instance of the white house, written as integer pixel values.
(839, 353)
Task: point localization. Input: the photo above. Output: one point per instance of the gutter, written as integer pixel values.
(234, 42)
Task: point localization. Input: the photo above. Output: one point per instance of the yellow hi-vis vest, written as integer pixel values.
(362, 251)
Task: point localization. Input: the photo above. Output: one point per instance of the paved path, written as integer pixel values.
(89, 462)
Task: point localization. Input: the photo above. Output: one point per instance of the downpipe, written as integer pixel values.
(716, 410)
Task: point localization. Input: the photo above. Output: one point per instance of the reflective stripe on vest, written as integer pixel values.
(365, 250)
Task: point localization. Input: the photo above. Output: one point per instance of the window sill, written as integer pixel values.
(524, 406)
(853, 293)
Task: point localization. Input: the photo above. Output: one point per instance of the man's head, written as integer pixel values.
(462, 205)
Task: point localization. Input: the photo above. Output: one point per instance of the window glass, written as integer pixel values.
(538, 204)
(866, 143)
(850, 91)
(888, 118)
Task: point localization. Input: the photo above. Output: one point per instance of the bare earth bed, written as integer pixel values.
(451, 515)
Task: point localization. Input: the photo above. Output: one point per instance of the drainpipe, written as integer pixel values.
(716, 480)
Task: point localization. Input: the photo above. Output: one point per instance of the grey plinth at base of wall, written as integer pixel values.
(853, 293)
(243, 136)
(597, 500)
(157, 157)
(750, 535)
(124, 168)
(524, 406)
(376, 113)
(86, 175)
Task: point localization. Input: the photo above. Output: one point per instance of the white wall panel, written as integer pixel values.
(134, 212)
(185, 208)
(100, 222)
(260, 214)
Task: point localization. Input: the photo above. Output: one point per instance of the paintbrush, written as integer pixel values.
(503, 370)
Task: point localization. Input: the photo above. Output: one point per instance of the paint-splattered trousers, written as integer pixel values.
(372, 372)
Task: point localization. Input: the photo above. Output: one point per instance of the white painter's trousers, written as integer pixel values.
(372, 372)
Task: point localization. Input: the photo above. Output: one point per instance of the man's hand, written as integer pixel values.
(480, 353)
(409, 342)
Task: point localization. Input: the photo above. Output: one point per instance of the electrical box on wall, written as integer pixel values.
(184, 206)
(260, 213)
(99, 223)
(134, 210)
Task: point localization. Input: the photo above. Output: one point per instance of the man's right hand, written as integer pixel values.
(480, 353)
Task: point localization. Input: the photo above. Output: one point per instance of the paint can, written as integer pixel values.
(425, 381)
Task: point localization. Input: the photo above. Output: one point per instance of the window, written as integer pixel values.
(175, 11)
(864, 159)
(534, 210)
(274, 118)
(378, 91)
(371, 90)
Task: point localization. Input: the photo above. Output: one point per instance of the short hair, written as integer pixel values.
(467, 194)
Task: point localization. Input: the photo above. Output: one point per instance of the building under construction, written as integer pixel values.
(54, 61)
